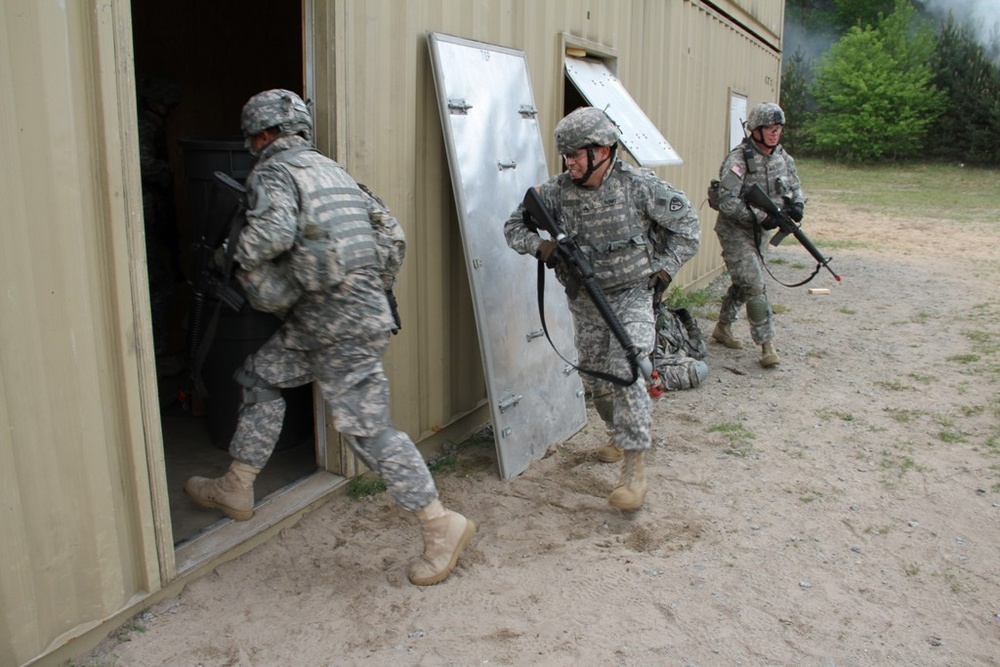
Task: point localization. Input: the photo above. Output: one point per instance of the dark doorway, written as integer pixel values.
(202, 61)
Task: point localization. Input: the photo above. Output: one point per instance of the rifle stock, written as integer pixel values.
(539, 217)
(757, 198)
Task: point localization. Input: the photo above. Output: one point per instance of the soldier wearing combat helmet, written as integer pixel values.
(313, 223)
(637, 231)
(743, 231)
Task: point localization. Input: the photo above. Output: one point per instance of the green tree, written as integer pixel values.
(795, 101)
(969, 77)
(874, 92)
(860, 13)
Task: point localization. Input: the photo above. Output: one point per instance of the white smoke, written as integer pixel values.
(810, 43)
(982, 15)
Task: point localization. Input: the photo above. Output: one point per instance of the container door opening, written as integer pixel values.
(196, 64)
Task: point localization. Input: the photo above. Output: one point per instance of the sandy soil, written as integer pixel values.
(841, 509)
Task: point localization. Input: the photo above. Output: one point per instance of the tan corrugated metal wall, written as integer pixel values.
(77, 381)
(77, 538)
(678, 58)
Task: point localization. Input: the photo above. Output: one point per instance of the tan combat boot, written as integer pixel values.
(768, 357)
(446, 534)
(724, 335)
(232, 493)
(609, 452)
(631, 489)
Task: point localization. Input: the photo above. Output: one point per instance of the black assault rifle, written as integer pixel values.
(757, 198)
(582, 272)
(213, 282)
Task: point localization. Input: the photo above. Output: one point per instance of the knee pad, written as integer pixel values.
(758, 309)
(255, 388)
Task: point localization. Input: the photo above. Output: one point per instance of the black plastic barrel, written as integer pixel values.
(237, 335)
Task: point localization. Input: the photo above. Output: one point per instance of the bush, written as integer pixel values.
(874, 92)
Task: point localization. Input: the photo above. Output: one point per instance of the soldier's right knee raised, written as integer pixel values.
(255, 388)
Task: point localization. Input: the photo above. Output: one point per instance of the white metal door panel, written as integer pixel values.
(603, 90)
(495, 154)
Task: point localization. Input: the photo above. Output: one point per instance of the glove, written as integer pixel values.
(548, 252)
(219, 257)
(794, 210)
(770, 222)
(662, 278)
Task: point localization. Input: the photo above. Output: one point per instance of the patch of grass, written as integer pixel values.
(466, 456)
(956, 585)
(922, 378)
(366, 484)
(779, 308)
(679, 297)
(734, 432)
(964, 358)
(943, 191)
(895, 467)
(836, 414)
(739, 436)
(952, 437)
(984, 342)
(847, 311)
(911, 570)
(973, 410)
(904, 416)
(893, 385)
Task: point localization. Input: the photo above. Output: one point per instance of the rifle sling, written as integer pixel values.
(757, 232)
(600, 375)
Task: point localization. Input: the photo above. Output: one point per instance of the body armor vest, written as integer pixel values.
(610, 231)
(334, 234)
(770, 172)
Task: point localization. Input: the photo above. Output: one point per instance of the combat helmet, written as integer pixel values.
(585, 127)
(276, 108)
(764, 114)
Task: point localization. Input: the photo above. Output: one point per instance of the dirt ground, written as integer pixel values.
(840, 509)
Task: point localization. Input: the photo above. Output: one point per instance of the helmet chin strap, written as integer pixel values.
(757, 133)
(591, 165)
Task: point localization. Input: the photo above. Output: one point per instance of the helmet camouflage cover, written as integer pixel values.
(586, 126)
(276, 108)
(764, 114)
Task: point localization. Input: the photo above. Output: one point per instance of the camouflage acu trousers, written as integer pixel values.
(356, 393)
(599, 350)
(746, 270)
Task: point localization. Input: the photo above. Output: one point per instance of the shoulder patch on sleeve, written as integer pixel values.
(676, 204)
(737, 169)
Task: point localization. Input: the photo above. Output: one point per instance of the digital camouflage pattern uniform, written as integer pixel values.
(742, 239)
(680, 350)
(335, 335)
(630, 227)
